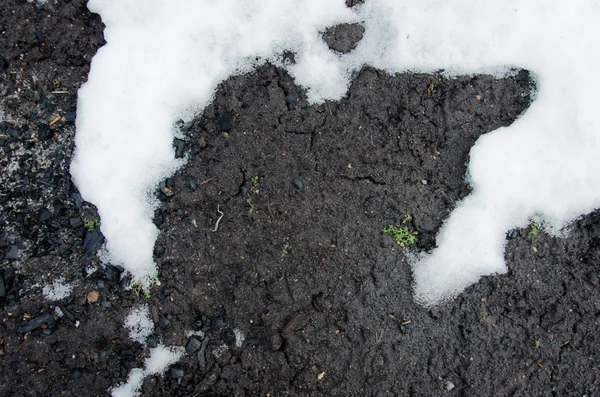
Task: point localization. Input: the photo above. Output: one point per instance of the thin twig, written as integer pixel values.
(218, 220)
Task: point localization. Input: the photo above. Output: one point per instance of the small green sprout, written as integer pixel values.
(91, 224)
(284, 250)
(254, 179)
(251, 210)
(403, 235)
(533, 229)
(138, 287)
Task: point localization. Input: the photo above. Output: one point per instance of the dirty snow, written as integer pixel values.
(163, 61)
(59, 289)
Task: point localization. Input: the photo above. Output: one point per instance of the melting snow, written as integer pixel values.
(164, 59)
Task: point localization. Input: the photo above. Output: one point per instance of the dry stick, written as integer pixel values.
(218, 220)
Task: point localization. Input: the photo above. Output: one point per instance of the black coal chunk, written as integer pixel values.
(225, 123)
(192, 346)
(93, 241)
(38, 321)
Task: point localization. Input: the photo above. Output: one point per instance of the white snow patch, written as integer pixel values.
(163, 61)
(239, 337)
(160, 358)
(58, 290)
(140, 324)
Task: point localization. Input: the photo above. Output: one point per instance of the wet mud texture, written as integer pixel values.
(271, 250)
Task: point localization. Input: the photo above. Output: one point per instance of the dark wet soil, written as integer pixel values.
(295, 290)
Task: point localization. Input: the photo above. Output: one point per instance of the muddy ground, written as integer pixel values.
(295, 290)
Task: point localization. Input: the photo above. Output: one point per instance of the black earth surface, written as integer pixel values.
(274, 271)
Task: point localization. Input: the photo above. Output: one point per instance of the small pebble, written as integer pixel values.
(93, 297)
(298, 184)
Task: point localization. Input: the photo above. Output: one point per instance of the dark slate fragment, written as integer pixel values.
(200, 356)
(289, 58)
(164, 322)
(13, 253)
(225, 123)
(3, 64)
(152, 341)
(352, 3)
(298, 184)
(44, 132)
(192, 346)
(70, 117)
(217, 323)
(159, 251)
(67, 313)
(93, 241)
(251, 342)
(219, 312)
(2, 289)
(59, 208)
(44, 215)
(75, 222)
(39, 35)
(111, 273)
(176, 372)
(291, 99)
(197, 324)
(36, 322)
(77, 199)
(512, 234)
(179, 146)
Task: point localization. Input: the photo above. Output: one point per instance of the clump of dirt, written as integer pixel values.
(274, 271)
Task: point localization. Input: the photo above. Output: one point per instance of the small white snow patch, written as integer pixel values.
(140, 324)
(58, 290)
(239, 337)
(58, 312)
(199, 334)
(160, 358)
